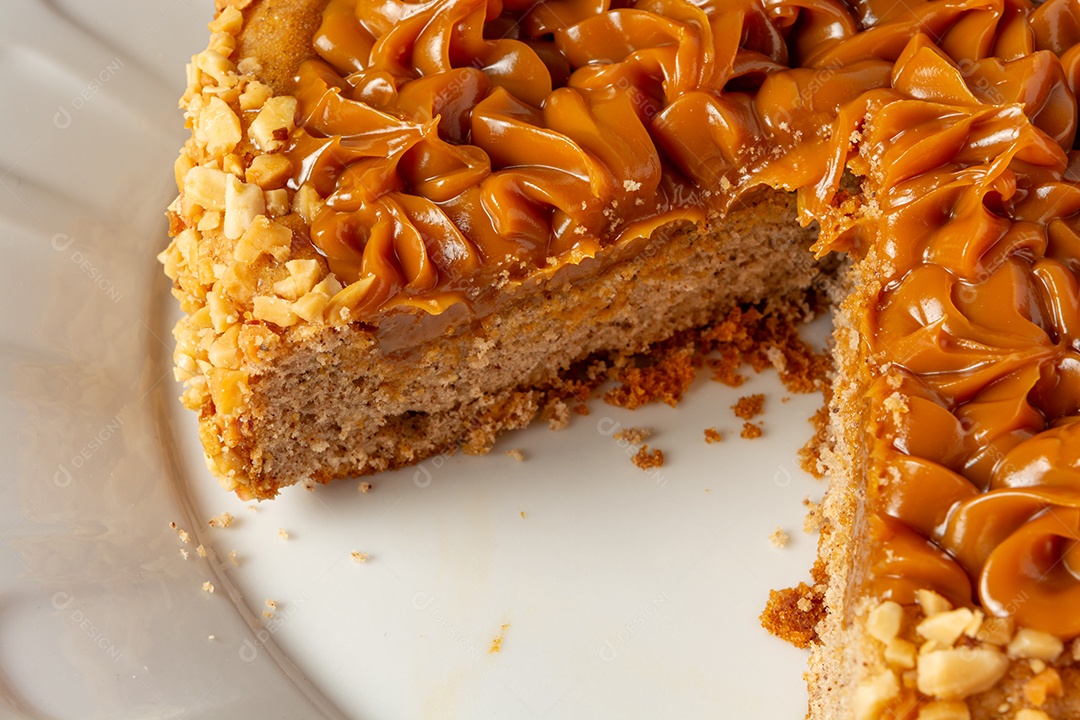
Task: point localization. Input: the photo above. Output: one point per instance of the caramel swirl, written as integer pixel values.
(465, 143)
(970, 151)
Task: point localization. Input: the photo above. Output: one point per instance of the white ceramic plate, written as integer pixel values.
(617, 592)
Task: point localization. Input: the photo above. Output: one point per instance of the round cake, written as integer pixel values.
(406, 227)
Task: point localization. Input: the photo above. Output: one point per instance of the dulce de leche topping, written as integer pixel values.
(458, 142)
(461, 141)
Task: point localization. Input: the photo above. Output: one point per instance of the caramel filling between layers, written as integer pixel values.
(461, 144)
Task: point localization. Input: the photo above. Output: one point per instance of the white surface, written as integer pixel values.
(627, 594)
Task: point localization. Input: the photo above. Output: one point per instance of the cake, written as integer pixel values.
(404, 228)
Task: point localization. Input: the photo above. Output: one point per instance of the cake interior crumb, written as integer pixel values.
(282, 534)
(360, 557)
(208, 586)
(712, 435)
(223, 520)
(750, 430)
(496, 642)
(646, 458)
(813, 520)
(749, 406)
(778, 538)
(633, 435)
(516, 454)
(793, 614)
(364, 487)
(810, 458)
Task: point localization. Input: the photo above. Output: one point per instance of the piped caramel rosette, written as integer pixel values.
(977, 490)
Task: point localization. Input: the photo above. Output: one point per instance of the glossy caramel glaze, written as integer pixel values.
(460, 142)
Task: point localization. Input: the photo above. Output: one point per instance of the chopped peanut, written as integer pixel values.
(945, 628)
(1028, 643)
(205, 187)
(218, 128)
(883, 622)
(269, 171)
(932, 603)
(243, 203)
(275, 121)
(873, 695)
(954, 674)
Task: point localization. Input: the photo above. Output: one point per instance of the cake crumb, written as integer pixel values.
(793, 614)
(631, 185)
(646, 459)
(233, 560)
(750, 431)
(184, 536)
(749, 406)
(813, 520)
(172, 525)
(778, 538)
(633, 435)
(271, 604)
(666, 379)
(208, 587)
(267, 614)
(712, 435)
(897, 405)
(581, 409)
(496, 643)
(522, 514)
(810, 453)
(364, 487)
(282, 534)
(516, 454)
(183, 553)
(211, 637)
(749, 336)
(200, 551)
(360, 557)
(223, 520)
(558, 415)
